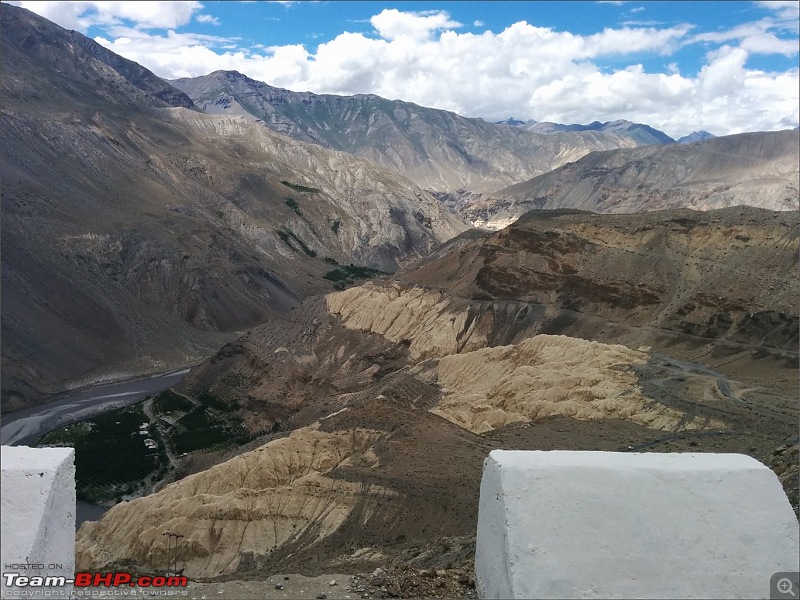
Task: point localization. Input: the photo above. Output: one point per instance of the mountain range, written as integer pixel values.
(130, 205)
(228, 224)
(756, 169)
(138, 232)
(437, 149)
(465, 162)
(641, 133)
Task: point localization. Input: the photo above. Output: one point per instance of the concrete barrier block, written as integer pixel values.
(38, 517)
(631, 525)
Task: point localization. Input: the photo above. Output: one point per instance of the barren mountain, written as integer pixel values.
(138, 236)
(641, 133)
(437, 149)
(663, 331)
(695, 136)
(43, 62)
(755, 169)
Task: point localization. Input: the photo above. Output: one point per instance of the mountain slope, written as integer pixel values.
(52, 62)
(668, 331)
(437, 149)
(137, 236)
(756, 169)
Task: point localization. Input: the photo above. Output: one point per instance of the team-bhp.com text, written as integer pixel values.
(94, 580)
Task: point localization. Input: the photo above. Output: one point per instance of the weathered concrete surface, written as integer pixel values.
(38, 517)
(619, 525)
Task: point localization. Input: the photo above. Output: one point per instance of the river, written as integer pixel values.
(24, 426)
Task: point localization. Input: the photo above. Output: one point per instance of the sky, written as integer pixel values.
(723, 67)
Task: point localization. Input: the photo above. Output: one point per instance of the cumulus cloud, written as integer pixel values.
(524, 71)
(391, 24)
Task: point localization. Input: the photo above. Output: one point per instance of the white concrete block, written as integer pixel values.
(38, 516)
(631, 525)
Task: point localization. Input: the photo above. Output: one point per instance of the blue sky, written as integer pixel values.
(679, 66)
(313, 23)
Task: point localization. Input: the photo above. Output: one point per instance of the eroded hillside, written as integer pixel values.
(757, 169)
(566, 331)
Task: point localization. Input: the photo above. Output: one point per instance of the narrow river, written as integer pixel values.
(24, 426)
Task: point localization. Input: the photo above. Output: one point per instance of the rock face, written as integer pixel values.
(437, 149)
(278, 495)
(717, 275)
(137, 235)
(395, 391)
(544, 376)
(753, 169)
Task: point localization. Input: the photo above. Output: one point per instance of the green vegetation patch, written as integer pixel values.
(111, 457)
(345, 275)
(335, 226)
(211, 423)
(114, 458)
(301, 188)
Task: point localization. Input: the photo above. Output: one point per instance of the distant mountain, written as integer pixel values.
(437, 149)
(755, 169)
(512, 122)
(695, 136)
(642, 134)
(138, 235)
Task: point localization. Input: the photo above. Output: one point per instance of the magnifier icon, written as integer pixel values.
(785, 586)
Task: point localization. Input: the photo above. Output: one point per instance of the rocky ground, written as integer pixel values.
(380, 583)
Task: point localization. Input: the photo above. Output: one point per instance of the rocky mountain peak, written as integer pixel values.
(696, 136)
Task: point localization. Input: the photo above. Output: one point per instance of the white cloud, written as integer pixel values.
(81, 15)
(527, 71)
(786, 9)
(755, 37)
(392, 24)
(628, 40)
(207, 19)
(478, 23)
